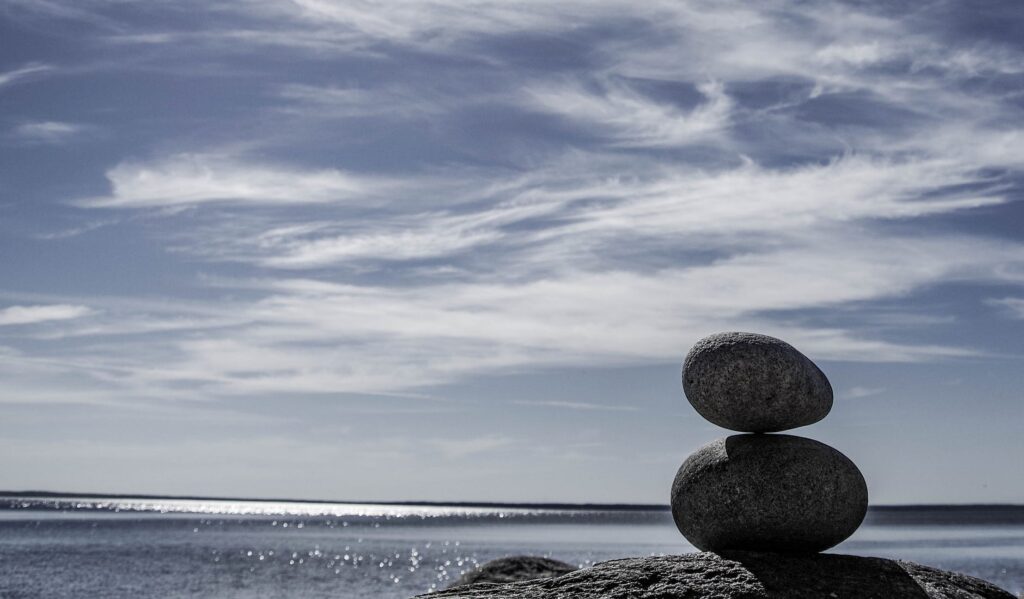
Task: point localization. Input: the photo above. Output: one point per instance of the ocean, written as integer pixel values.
(143, 548)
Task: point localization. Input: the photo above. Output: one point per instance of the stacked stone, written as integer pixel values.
(763, 492)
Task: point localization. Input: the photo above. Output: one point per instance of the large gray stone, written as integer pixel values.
(768, 493)
(754, 383)
(743, 576)
(514, 569)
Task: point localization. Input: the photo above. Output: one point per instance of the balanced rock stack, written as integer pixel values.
(763, 492)
(760, 505)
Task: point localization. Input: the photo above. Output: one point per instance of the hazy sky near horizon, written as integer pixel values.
(457, 250)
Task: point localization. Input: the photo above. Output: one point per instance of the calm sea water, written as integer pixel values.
(141, 549)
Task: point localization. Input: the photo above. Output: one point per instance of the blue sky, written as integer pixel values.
(458, 250)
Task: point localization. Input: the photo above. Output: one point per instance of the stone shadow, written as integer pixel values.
(796, 576)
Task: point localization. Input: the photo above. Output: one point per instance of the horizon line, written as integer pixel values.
(560, 505)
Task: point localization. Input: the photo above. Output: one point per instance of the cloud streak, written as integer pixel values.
(190, 179)
(630, 119)
(49, 132)
(20, 315)
(31, 69)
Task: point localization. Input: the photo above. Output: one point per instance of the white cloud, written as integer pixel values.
(398, 245)
(861, 392)
(583, 206)
(15, 315)
(574, 315)
(1014, 306)
(724, 214)
(408, 237)
(631, 119)
(352, 102)
(308, 336)
(790, 239)
(227, 178)
(752, 199)
(77, 230)
(78, 10)
(49, 132)
(32, 68)
(410, 21)
(186, 179)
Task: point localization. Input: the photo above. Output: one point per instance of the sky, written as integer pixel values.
(457, 250)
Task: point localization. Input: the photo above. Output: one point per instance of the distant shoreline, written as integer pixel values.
(54, 495)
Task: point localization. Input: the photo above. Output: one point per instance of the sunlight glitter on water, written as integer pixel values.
(277, 508)
(67, 553)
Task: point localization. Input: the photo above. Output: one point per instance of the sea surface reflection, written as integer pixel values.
(184, 548)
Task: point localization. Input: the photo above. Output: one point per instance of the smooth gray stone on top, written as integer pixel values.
(754, 383)
(768, 493)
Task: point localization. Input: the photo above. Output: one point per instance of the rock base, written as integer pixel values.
(744, 575)
(515, 569)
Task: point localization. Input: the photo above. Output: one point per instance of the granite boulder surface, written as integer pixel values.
(514, 569)
(743, 575)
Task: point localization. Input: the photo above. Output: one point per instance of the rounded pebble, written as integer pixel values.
(754, 383)
(768, 493)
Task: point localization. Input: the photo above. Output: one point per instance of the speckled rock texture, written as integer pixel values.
(743, 576)
(754, 383)
(514, 569)
(768, 493)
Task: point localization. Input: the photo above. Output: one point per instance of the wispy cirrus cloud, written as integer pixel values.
(19, 315)
(692, 167)
(309, 336)
(862, 392)
(401, 244)
(631, 119)
(29, 70)
(1014, 306)
(324, 102)
(461, 448)
(190, 179)
(50, 132)
(588, 206)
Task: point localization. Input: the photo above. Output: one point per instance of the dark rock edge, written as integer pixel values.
(514, 569)
(744, 575)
